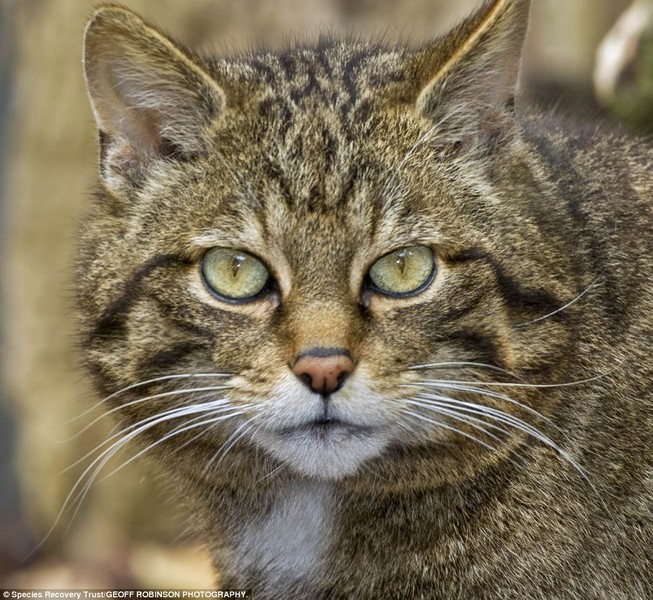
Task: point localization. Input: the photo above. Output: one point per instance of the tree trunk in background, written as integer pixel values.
(623, 74)
(15, 537)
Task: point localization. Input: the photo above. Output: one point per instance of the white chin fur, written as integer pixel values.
(329, 457)
(326, 454)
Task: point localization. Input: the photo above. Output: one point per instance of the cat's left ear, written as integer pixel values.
(151, 98)
(467, 80)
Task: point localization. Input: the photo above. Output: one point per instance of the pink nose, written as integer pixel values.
(324, 370)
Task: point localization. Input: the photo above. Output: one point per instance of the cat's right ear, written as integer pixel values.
(151, 99)
(467, 80)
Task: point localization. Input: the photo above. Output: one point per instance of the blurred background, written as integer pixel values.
(587, 59)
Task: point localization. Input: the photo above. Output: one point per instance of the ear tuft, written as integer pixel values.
(150, 97)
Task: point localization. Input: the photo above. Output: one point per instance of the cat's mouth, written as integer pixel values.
(327, 448)
(326, 429)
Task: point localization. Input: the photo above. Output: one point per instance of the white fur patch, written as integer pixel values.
(291, 541)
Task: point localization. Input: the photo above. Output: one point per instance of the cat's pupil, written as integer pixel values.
(236, 263)
(401, 261)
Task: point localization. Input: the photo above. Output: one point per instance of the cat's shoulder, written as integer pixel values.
(594, 150)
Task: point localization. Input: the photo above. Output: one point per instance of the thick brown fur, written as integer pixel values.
(319, 160)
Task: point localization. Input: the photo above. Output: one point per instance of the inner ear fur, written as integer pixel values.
(151, 98)
(466, 81)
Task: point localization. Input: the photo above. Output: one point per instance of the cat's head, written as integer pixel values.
(329, 254)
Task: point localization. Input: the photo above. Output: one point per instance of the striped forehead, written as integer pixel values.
(324, 174)
(315, 184)
(337, 74)
(313, 229)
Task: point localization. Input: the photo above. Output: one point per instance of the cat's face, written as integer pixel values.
(343, 274)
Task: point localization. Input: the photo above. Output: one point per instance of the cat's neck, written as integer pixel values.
(300, 533)
(291, 539)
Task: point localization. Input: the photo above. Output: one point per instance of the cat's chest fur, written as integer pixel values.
(291, 540)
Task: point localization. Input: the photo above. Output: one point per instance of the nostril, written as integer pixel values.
(342, 377)
(306, 379)
(322, 370)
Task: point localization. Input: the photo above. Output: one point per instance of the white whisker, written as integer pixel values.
(272, 473)
(555, 312)
(453, 413)
(444, 365)
(214, 419)
(238, 434)
(525, 385)
(148, 382)
(215, 403)
(111, 452)
(488, 393)
(140, 427)
(520, 425)
(493, 414)
(81, 487)
(447, 427)
(152, 397)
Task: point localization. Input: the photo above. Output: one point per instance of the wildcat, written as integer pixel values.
(387, 334)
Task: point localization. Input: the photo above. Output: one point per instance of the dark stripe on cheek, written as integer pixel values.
(466, 305)
(477, 346)
(169, 312)
(580, 194)
(469, 255)
(163, 360)
(113, 318)
(536, 301)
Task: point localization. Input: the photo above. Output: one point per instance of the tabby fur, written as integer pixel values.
(319, 159)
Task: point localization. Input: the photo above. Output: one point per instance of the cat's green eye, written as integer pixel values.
(404, 272)
(233, 275)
